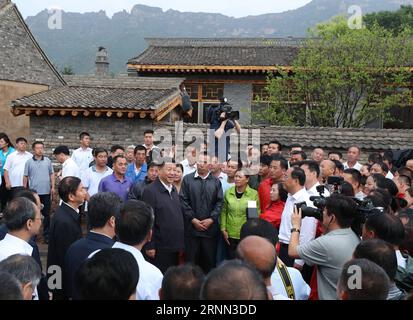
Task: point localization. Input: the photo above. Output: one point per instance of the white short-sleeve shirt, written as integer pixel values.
(14, 165)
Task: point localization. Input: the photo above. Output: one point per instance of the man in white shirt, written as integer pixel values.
(93, 175)
(23, 221)
(134, 230)
(312, 175)
(294, 184)
(189, 163)
(150, 147)
(69, 167)
(14, 166)
(353, 177)
(353, 155)
(83, 155)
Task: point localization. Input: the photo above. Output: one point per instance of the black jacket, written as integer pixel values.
(77, 253)
(168, 230)
(64, 230)
(202, 199)
(136, 192)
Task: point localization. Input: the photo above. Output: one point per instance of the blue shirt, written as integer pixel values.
(131, 173)
(113, 184)
(3, 157)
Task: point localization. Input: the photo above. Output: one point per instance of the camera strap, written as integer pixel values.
(286, 279)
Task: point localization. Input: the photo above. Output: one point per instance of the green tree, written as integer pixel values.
(343, 78)
(68, 71)
(393, 21)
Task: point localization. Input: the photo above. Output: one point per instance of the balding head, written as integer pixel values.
(327, 168)
(409, 164)
(260, 253)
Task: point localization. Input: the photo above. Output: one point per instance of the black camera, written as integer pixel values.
(366, 209)
(316, 213)
(226, 108)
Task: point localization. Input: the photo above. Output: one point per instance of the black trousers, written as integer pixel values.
(232, 247)
(202, 251)
(164, 259)
(4, 195)
(289, 262)
(45, 200)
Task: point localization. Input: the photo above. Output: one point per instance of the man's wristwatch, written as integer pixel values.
(295, 230)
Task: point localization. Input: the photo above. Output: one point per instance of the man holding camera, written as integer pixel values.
(332, 250)
(222, 120)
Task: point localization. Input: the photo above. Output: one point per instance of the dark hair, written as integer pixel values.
(379, 179)
(405, 180)
(355, 175)
(111, 274)
(266, 160)
(153, 164)
(386, 227)
(404, 171)
(408, 214)
(344, 208)
(116, 147)
(312, 166)
(388, 156)
(375, 282)
(391, 187)
(6, 139)
(283, 161)
(282, 192)
(134, 222)
(384, 196)
(17, 212)
(148, 131)
(298, 174)
(19, 139)
(180, 166)
(26, 193)
(139, 148)
(338, 164)
(102, 206)
(23, 267)
(375, 157)
(302, 153)
(119, 156)
(234, 279)
(260, 228)
(68, 185)
(96, 151)
(34, 144)
(380, 252)
(10, 288)
(346, 189)
(83, 134)
(182, 283)
(340, 155)
(377, 200)
(61, 149)
(383, 166)
(280, 146)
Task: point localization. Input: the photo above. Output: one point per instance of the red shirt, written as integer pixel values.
(264, 193)
(273, 213)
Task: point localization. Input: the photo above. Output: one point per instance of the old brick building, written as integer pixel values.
(24, 68)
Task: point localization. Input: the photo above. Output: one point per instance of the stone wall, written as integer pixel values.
(105, 132)
(9, 90)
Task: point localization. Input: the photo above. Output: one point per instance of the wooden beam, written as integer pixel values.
(51, 113)
(98, 114)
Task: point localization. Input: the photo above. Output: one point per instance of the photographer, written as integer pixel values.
(332, 250)
(222, 119)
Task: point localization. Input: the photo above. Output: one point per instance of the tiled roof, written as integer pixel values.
(332, 138)
(21, 58)
(219, 52)
(121, 93)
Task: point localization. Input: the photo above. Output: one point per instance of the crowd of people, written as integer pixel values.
(282, 225)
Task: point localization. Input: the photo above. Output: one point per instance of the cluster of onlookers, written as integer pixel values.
(271, 225)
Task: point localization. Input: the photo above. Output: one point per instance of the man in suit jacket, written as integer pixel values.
(168, 231)
(65, 227)
(103, 209)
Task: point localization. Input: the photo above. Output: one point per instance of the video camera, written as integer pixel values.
(365, 208)
(226, 108)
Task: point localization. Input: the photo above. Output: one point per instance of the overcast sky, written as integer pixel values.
(234, 8)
